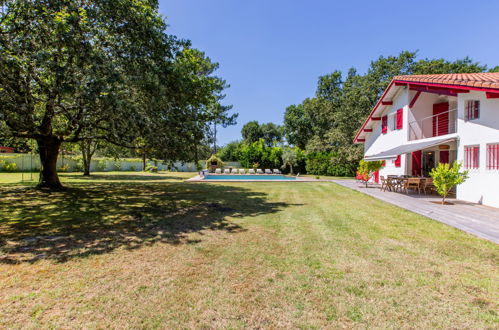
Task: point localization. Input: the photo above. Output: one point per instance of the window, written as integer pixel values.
(399, 119)
(384, 124)
(472, 109)
(493, 156)
(471, 157)
(397, 161)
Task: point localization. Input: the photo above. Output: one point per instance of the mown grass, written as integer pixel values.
(150, 251)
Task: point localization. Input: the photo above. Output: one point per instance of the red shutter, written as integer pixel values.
(397, 161)
(383, 163)
(400, 121)
(416, 163)
(444, 156)
(384, 124)
(493, 156)
(440, 119)
(471, 156)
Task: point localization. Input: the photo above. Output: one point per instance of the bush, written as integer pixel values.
(64, 168)
(117, 166)
(328, 163)
(101, 165)
(152, 169)
(8, 166)
(446, 177)
(133, 168)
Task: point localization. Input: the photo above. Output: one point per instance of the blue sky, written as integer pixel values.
(271, 52)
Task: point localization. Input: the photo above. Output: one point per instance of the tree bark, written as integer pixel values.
(49, 151)
(88, 148)
(291, 166)
(144, 162)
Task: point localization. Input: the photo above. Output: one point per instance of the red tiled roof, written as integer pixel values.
(481, 80)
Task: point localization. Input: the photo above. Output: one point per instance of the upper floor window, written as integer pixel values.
(472, 109)
(384, 124)
(493, 156)
(471, 157)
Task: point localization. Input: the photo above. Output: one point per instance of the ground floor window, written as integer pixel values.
(493, 156)
(471, 157)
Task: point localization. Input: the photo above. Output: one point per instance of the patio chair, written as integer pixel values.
(268, 171)
(242, 171)
(413, 183)
(428, 186)
(383, 183)
(251, 171)
(276, 171)
(218, 171)
(259, 171)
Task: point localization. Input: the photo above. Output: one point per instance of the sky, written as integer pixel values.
(271, 52)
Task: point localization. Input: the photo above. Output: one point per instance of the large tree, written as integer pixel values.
(105, 69)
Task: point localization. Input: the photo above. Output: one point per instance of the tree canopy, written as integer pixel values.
(78, 70)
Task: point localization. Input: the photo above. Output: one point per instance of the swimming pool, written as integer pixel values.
(246, 177)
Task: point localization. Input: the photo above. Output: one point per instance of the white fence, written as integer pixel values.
(28, 162)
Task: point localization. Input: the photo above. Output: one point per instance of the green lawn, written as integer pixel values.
(141, 250)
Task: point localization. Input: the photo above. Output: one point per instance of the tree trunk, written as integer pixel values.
(86, 154)
(291, 168)
(49, 151)
(144, 162)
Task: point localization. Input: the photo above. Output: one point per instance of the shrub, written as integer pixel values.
(152, 169)
(366, 169)
(9, 166)
(133, 168)
(64, 168)
(101, 165)
(445, 178)
(329, 163)
(117, 166)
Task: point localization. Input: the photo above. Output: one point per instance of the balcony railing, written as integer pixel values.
(436, 125)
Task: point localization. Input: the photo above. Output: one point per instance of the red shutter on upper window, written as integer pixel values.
(400, 122)
(384, 124)
(397, 161)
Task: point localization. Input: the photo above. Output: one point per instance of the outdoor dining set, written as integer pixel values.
(405, 183)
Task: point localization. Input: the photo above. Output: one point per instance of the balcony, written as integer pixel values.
(437, 125)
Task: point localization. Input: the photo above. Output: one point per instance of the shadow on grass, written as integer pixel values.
(98, 218)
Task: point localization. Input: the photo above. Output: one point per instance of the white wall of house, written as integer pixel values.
(377, 142)
(483, 184)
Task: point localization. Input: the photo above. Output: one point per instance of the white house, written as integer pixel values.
(421, 120)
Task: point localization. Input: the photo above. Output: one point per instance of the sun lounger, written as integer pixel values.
(268, 171)
(242, 171)
(259, 171)
(227, 171)
(251, 171)
(218, 171)
(276, 171)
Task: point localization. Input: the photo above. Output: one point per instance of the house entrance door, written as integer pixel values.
(428, 162)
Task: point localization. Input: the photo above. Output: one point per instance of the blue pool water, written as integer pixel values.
(253, 177)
